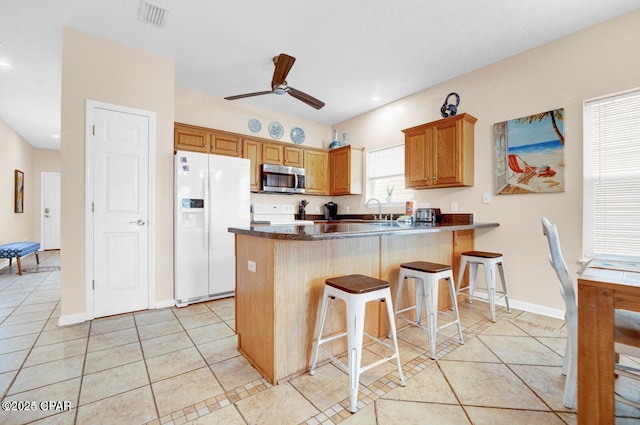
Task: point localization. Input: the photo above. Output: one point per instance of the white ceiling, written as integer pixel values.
(347, 51)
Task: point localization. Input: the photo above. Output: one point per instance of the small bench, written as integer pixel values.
(19, 250)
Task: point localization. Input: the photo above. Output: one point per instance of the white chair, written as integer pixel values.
(627, 323)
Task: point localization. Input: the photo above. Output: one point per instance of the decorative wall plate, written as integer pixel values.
(254, 125)
(276, 131)
(297, 135)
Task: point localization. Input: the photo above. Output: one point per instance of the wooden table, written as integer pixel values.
(604, 284)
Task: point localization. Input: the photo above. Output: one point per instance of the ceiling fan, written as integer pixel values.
(279, 86)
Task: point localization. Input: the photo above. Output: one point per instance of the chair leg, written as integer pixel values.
(355, 334)
(504, 286)
(319, 329)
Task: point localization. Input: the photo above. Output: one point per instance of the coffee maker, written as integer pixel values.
(330, 211)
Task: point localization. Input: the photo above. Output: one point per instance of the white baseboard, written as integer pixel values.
(72, 319)
(165, 303)
(524, 306)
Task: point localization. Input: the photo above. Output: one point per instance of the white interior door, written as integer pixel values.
(50, 204)
(120, 212)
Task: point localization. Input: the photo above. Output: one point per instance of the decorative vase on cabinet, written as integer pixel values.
(335, 143)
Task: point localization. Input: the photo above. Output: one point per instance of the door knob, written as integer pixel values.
(139, 222)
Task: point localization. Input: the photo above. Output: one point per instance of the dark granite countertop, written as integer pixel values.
(337, 230)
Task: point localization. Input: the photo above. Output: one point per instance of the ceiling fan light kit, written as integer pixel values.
(279, 86)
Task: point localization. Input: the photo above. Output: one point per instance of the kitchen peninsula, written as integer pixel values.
(281, 270)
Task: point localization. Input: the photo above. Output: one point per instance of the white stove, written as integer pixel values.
(276, 215)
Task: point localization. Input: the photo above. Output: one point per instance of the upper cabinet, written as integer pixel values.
(316, 167)
(205, 140)
(440, 153)
(272, 153)
(223, 143)
(293, 156)
(345, 165)
(189, 138)
(252, 150)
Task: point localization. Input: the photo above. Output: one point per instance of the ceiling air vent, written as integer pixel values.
(152, 14)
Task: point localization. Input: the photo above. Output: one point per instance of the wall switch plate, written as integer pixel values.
(316, 210)
(348, 209)
(454, 207)
(251, 265)
(486, 198)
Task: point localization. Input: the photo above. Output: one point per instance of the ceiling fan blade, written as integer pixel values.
(240, 96)
(309, 100)
(283, 64)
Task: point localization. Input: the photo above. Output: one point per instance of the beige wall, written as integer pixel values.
(101, 70)
(16, 153)
(561, 74)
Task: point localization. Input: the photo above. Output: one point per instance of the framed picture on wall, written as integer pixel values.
(19, 192)
(530, 154)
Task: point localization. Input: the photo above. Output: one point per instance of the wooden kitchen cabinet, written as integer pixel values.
(345, 165)
(222, 143)
(440, 153)
(190, 138)
(293, 156)
(316, 167)
(252, 150)
(199, 139)
(272, 153)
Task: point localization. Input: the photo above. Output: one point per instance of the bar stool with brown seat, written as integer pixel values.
(491, 261)
(427, 277)
(355, 290)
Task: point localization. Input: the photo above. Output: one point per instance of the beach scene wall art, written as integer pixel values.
(530, 154)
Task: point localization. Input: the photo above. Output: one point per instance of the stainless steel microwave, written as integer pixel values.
(281, 179)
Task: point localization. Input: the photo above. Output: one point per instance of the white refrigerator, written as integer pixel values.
(211, 195)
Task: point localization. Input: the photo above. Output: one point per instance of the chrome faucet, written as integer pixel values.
(379, 208)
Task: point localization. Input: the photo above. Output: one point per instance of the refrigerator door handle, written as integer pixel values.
(205, 234)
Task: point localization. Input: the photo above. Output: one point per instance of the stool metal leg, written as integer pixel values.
(394, 337)
(421, 299)
(490, 276)
(473, 274)
(454, 304)
(319, 329)
(355, 334)
(431, 291)
(504, 286)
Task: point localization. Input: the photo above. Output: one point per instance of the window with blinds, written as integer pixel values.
(612, 175)
(385, 170)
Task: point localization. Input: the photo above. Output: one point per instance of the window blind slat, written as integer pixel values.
(612, 175)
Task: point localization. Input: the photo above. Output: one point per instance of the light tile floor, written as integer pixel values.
(181, 365)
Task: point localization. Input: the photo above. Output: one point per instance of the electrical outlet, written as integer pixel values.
(348, 209)
(486, 198)
(454, 206)
(316, 210)
(251, 265)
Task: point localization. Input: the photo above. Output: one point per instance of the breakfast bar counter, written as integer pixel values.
(281, 270)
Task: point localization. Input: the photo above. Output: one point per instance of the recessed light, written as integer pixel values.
(4, 64)
(376, 98)
(55, 136)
